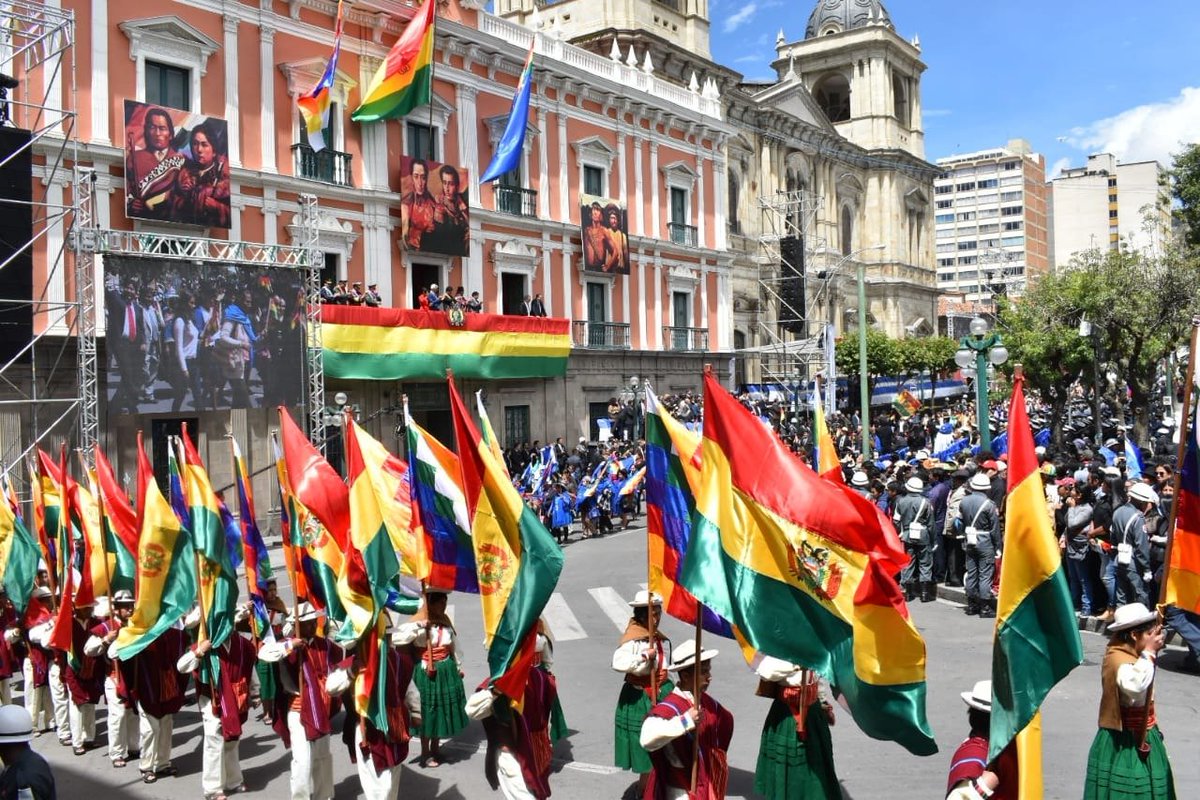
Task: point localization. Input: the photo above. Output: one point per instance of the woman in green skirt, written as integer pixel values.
(643, 659)
(795, 757)
(1128, 760)
(439, 677)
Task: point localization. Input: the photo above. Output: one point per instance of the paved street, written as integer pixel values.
(586, 617)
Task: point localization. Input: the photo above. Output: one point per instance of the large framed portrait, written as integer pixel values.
(604, 229)
(434, 213)
(176, 166)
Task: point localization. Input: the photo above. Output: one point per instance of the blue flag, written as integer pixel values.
(1133, 460)
(508, 149)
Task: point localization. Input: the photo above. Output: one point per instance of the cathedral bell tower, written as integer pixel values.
(865, 77)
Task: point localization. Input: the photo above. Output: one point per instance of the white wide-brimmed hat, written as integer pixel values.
(16, 725)
(643, 599)
(859, 478)
(43, 592)
(123, 597)
(684, 656)
(980, 696)
(1143, 493)
(914, 485)
(101, 610)
(307, 612)
(1131, 615)
(980, 482)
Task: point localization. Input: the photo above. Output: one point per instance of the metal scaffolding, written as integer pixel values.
(783, 355)
(37, 53)
(313, 260)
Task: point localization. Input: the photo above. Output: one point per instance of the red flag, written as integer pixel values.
(120, 512)
(314, 483)
(62, 635)
(145, 474)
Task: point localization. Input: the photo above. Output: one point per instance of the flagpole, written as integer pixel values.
(180, 458)
(696, 698)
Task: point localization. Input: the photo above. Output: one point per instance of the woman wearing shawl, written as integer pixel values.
(643, 659)
(795, 756)
(439, 677)
(233, 348)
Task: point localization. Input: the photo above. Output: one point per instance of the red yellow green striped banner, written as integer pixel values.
(362, 343)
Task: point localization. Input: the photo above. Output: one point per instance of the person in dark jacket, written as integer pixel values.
(26, 774)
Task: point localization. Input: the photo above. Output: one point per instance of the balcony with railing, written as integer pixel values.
(327, 166)
(600, 335)
(515, 200)
(683, 340)
(682, 234)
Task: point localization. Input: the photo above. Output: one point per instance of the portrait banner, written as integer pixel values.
(176, 166)
(210, 337)
(434, 212)
(604, 230)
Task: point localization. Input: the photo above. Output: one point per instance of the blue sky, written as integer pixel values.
(1072, 77)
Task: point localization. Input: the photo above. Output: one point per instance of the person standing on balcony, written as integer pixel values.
(538, 307)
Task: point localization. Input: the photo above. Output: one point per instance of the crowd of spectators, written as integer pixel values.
(340, 294)
(430, 298)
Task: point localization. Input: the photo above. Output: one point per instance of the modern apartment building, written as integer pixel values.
(990, 222)
(1104, 203)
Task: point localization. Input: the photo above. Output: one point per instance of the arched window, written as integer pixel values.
(832, 94)
(847, 231)
(900, 100)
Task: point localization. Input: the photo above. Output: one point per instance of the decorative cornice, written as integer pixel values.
(169, 36)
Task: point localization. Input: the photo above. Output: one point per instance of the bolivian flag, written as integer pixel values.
(1182, 578)
(1037, 635)
(166, 576)
(518, 562)
(803, 570)
(826, 458)
(120, 523)
(18, 558)
(405, 78)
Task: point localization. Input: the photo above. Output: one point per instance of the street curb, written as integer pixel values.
(956, 594)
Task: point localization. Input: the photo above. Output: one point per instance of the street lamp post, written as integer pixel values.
(864, 392)
(634, 395)
(976, 350)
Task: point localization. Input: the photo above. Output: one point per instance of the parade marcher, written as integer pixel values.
(377, 755)
(971, 777)
(60, 701)
(26, 774)
(224, 707)
(668, 733)
(510, 764)
(10, 646)
(913, 516)
(795, 756)
(643, 660)
(85, 682)
(158, 688)
(36, 668)
(302, 707)
(268, 680)
(1127, 758)
(439, 678)
(121, 704)
(859, 482)
(1132, 546)
(981, 542)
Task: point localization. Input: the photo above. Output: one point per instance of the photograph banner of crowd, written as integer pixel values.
(210, 337)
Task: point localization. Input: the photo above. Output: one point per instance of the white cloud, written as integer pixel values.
(1057, 168)
(748, 59)
(1148, 132)
(740, 18)
(929, 113)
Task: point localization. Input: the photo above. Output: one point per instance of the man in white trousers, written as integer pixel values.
(122, 708)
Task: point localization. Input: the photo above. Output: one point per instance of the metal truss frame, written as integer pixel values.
(785, 356)
(37, 50)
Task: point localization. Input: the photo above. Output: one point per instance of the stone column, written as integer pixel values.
(639, 196)
(266, 60)
(543, 165)
(655, 227)
(100, 96)
(468, 138)
(232, 115)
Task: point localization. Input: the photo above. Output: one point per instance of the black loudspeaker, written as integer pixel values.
(16, 249)
(791, 284)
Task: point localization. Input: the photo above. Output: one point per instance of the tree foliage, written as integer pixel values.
(1185, 185)
(1140, 308)
(896, 357)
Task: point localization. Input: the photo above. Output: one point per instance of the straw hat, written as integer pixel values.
(859, 478)
(914, 485)
(643, 599)
(1143, 493)
(1131, 615)
(307, 612)
(980, 696)
(684, 656)
(980, 483)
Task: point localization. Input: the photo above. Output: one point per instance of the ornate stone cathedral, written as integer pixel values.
(829, 153)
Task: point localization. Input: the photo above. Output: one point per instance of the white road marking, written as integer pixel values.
(611, 603)
(563, 625)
